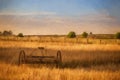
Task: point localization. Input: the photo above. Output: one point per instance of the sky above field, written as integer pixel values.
(43, 17)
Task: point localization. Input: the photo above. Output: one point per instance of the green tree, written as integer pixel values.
(7, 33)
(91, 33)
(85, 34)
(71, 34)
(20, 35)
(0, 33)
(117, 35)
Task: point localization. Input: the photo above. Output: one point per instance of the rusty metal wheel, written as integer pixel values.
(59, 59)
(22, 57)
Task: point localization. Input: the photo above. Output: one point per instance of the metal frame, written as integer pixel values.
(25, 59)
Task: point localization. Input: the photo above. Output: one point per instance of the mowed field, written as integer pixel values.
(80, 60)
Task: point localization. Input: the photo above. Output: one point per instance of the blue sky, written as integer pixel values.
(61, 7)
(64, 7)
(107, 10)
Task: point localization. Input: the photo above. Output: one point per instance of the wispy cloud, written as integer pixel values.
(54, 24)
(28, 13)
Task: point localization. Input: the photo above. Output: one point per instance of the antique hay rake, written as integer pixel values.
(43, 59)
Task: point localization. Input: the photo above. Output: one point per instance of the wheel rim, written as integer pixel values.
(59, 58)
(21, 57)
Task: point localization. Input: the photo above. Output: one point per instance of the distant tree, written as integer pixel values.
(85, 34)
(7, 33)
(71, 34)
(55, 35)
(20, 35)
(117, 35)
(10, 32)
(91, 33)
(0, 33)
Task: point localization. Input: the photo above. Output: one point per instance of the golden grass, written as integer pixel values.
(80, 61)
(12, 72)
(64, 46)
(59, 40)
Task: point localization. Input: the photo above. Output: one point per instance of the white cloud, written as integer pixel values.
(28, 13)
(53, 24)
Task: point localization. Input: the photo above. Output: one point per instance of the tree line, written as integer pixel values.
(71, 34)
(6, 33)
(10, 33)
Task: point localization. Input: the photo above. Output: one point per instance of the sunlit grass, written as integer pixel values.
(80, 61)
(12, 72)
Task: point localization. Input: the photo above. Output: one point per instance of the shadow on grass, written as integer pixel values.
(87, 64)
(11, 55)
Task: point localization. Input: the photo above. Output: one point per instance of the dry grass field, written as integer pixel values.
(13, 72)
(79, 61)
